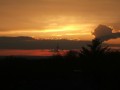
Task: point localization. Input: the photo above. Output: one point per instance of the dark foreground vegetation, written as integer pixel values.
(94, 68)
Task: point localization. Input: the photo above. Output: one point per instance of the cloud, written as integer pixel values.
(29, 43)
(26, 43)
(105, 33)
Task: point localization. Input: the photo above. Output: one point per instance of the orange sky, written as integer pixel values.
(57, 19)
(29, 52)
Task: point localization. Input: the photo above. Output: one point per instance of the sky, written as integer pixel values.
(57, 19)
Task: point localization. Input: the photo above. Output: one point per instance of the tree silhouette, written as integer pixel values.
(93, 57)
(95, 48)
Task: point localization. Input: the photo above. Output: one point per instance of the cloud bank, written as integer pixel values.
(28, 43)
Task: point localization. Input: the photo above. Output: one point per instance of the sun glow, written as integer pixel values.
(67, 28)
(52, 27)
(71, 31)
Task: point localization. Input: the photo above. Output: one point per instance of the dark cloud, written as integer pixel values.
(18, 39)
(105, 33)
(31, 43)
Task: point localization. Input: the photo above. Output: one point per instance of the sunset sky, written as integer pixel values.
(57, 19)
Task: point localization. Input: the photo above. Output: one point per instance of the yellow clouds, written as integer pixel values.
(52, 26)
(61, 32)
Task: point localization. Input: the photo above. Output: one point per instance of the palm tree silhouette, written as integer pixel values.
(95, 48)
(93, 57)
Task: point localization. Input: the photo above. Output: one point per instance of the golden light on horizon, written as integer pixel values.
(67, 31)
(113, 41)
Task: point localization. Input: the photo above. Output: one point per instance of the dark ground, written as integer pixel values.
(58, 73)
